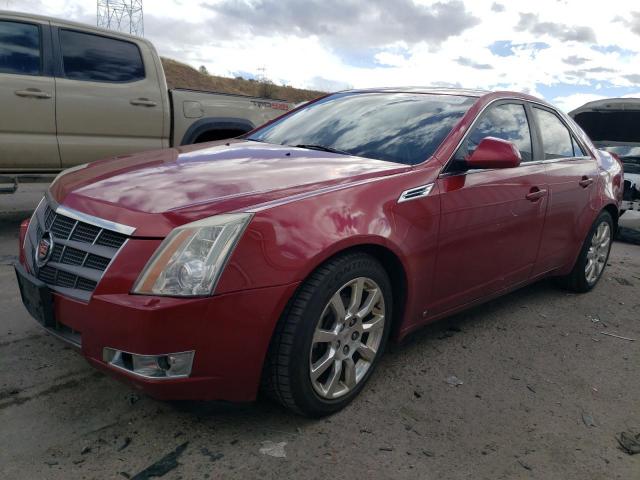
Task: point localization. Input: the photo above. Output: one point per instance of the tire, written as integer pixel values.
(314, 334)
(582, 278)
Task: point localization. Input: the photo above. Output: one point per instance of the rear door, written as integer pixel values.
(27, 97)
(489, 231)
(109, 97)
(572, 176)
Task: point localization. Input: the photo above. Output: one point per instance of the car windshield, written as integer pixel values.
(396, 127)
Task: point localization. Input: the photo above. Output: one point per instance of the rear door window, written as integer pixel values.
(556, 139)
(20, 50)
(100, 59)
(507, 121)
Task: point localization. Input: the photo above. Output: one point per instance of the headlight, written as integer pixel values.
(190, 260)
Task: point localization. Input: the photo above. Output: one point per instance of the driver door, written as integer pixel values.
(490, 227)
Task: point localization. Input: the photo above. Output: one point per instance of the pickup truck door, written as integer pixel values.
(27, 97)
(110, 97)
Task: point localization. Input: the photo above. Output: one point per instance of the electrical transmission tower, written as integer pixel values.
(122, 15)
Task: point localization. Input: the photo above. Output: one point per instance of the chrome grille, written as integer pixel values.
(83, 249)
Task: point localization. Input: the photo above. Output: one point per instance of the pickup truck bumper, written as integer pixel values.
(229, 335)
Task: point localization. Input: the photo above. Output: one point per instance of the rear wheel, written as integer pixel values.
(593, 256)
(331, 336)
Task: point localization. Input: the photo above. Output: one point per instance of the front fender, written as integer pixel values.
(284, 244)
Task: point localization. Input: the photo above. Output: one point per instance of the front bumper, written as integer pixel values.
(229, 333)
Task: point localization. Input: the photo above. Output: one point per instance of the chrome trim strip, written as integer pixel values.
(85, 217)
(100, 250)
(26, 236)
(95, 221)
(118, 355)
(415, 193)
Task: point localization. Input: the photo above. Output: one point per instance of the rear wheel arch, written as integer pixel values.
(615, 214)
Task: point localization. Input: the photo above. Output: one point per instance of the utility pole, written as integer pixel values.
(121, 15)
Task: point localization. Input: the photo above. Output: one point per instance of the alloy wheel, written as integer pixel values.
(598, 253)
(347, 338)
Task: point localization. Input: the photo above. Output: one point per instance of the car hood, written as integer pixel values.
(612, 121)
(176, 186)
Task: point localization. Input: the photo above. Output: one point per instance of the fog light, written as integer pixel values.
(170, 365)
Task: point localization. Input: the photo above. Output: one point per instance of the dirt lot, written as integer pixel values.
(544, 395)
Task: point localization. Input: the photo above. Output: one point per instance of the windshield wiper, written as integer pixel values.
(322, 148)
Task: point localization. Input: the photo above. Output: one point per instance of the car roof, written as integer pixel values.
(425, 90)
(466, 92)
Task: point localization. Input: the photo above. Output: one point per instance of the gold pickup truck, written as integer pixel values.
(71, 93)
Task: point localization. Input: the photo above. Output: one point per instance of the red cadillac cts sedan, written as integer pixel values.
(286, 259)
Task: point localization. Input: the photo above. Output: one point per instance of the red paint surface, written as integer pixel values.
(475, 236)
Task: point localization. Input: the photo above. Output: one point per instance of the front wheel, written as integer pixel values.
(331, 336)
(593, 256)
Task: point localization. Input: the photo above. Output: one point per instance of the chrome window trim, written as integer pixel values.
(523, 164)
(90, 219)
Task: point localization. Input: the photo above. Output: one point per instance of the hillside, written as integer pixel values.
(180, 75)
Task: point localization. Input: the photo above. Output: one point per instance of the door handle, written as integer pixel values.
(585, 182)
(535, 194)
(32, 93)
(142, 102)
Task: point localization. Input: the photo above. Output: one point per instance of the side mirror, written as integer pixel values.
(494, 153)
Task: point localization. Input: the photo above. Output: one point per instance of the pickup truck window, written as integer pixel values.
(96, 58)
(396, 127)
(19, 48)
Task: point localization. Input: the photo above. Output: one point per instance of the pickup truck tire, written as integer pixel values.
(593, 256)
(330, 337)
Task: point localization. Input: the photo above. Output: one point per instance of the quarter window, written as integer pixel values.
(20, 48)
(577, 149)
(100, 59)
(507, 121)
(556, 139)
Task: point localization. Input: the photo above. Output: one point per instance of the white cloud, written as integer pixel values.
(307, 56)
(575, 100)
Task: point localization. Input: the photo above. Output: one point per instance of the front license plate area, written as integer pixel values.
(36, 297)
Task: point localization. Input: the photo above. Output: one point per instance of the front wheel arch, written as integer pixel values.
(393, 266)
(282, 375)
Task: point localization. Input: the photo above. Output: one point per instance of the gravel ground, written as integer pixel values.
(543, 396)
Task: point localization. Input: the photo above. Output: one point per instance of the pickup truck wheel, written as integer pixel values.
(331, 336)
(593, 256)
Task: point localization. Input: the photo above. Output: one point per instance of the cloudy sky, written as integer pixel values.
(567, 51)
